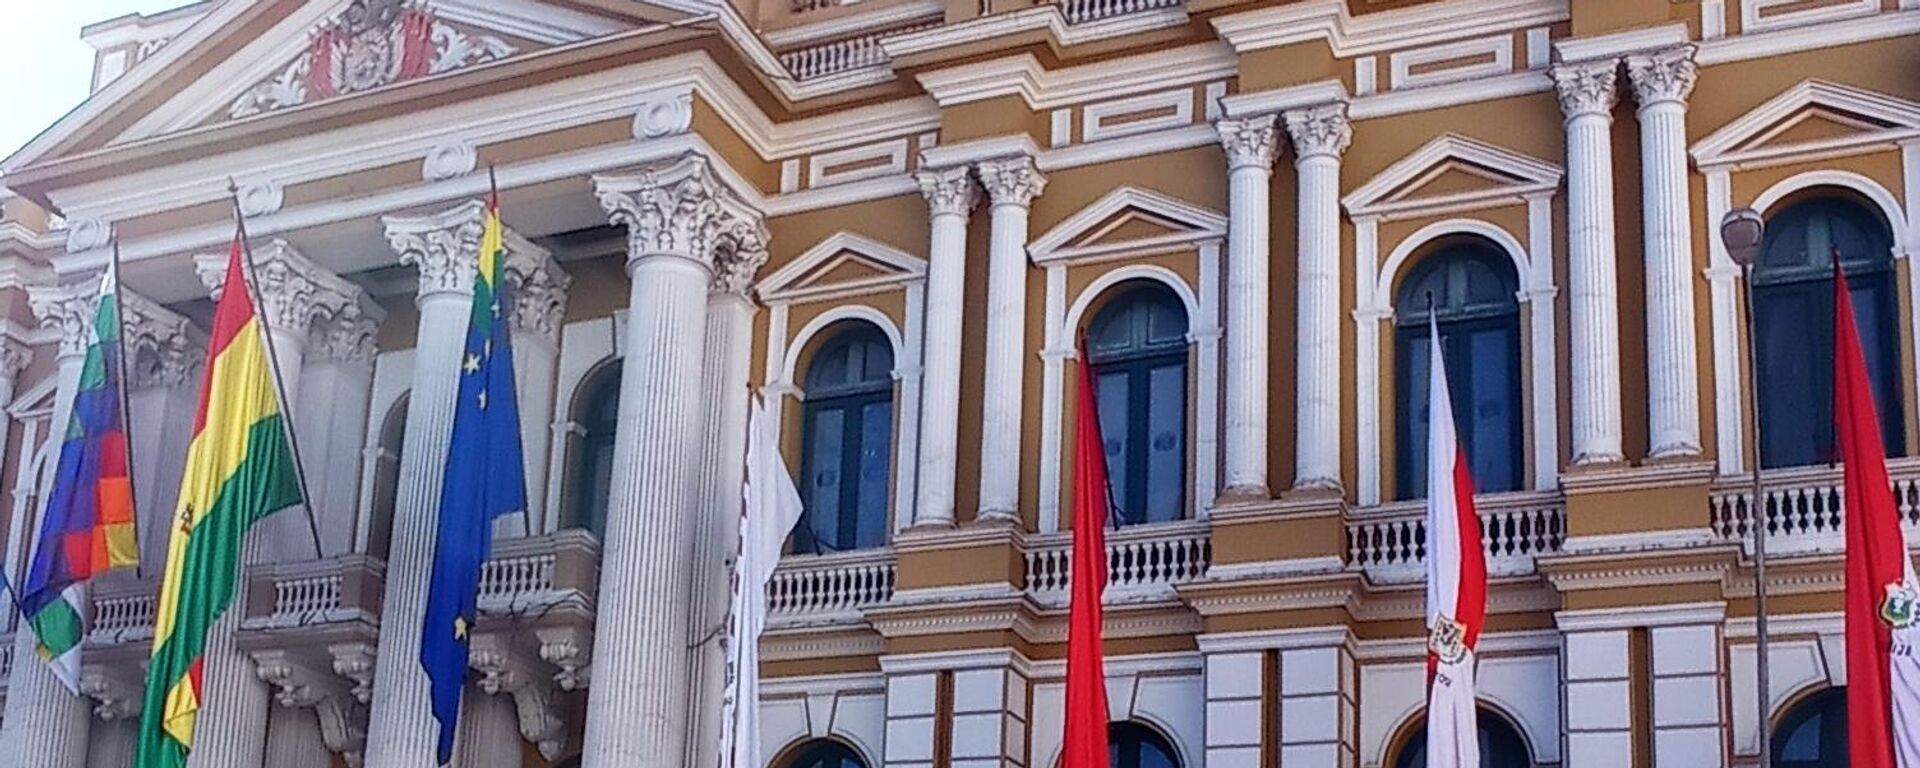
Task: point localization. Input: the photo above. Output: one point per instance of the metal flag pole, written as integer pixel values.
(273, 364)
(1743, 231)
(126, 409)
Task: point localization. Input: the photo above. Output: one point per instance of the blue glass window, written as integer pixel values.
(1137, 345)
(1132, 745)
(1793, 312)
(1500, 745)
(825, 754)
(1473, 289)
(596, 417)
(847, 430)
(1814, 733)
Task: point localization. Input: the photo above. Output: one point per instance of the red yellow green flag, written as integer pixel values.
(240, 468)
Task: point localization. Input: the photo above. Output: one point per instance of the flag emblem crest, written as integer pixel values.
(1898, 608)
(1448, 641)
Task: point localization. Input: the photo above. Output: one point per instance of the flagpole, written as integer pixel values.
(126, 409)
(273, 364)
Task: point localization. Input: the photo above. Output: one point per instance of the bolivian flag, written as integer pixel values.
(240, 469)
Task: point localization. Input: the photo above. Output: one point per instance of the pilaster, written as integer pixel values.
(1661, 83)
(1320, 135)
(1251, 144)
(1587, 95)
(1011, 184)
(537, 288)
(951, 196)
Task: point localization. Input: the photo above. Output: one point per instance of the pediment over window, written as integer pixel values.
(1453, 172)
(1128, 220)
(1814, 117)
(845, 264)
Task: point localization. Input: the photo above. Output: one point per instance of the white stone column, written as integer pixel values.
(729, 344)
(538, 290)
(1250, 144)
(443, 247)
(111, 743)
(163, 388)
(320, 708)
(489, 735)
(45, 724)
(336, 392)
(1011, 185)
(1320, 134)
(1661, 83)
(1587, 96)
(951, 195)
(687, 233)
(294, 741)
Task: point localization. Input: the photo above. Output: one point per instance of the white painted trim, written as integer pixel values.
(1746, 47)
(1366, 321)
(1592, 47)
(1053, 245)
(1753, 16)
(1366, 75)
(1722, 147)
(1402, 63)
(1536, 176)
(1452, 94)
(1713, 19)
(820, 167)
(1043, 89)
(1060, 128)
(1349, 35)
(1094, 117)
(782, 285)
(1722, 278)
(796, 346)
(906, 372)
(1889, 204)
(1543, 317)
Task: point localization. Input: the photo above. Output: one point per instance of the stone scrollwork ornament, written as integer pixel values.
(372, 44)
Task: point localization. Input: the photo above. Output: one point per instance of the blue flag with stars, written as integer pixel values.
(484, 480)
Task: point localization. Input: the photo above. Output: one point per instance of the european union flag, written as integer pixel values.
(484, 479)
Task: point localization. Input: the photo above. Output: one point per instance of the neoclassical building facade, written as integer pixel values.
(905, 224)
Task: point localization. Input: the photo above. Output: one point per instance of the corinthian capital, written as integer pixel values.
(949, 190)
(163, 348)
(14, 358)
(1250, 142)
(538, 289)
(444, 246)
(346, 338)
(1587, 88)
(1012, 180)
(68, 308)
(679, 207)
(292, 290)
(1663, 76)
(1321, 131)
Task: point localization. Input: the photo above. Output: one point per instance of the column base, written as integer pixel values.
(1677, 451)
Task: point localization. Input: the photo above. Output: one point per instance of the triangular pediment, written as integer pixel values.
(1126, 220)
(246, 60)
(845, 264)
(1815, 116)
(1453, 171)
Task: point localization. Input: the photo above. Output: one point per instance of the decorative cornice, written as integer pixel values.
(292, 289)
(1321, 131)
(85, 233)
(949, 191)
(1250, 142)
(1011, 180)
(1588, 88)
(449, 160)
(1663, 76)
(444, 246)
(680, 207)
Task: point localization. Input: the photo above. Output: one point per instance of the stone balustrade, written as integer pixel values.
(833, 588)
(1082, 11)
(1144, 562)
(1804, 507)
(1389, 542)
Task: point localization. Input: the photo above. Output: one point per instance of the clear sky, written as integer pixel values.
(46, 69)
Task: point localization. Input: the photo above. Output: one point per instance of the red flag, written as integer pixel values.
(1883, 686)
(1086, 737)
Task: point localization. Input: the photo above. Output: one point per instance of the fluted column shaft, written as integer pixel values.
(951, 195)
(1251, 144)
(111, 743)
(1661, 83)
(687, 234)
(443, 247)
(1011, 184)
(1587, 95)
(336, 390)
(45, 724)
(729, 344)
(538, 289)
(489, 735)
(1320, 135)
(294, 741)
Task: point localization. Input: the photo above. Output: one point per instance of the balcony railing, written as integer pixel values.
(853, 53)
(1804, 507)
(1390, 542)
(1144, 562)
(123, 611)
(1082, 11)
(830, 588)
(533, 575)
(333, 590)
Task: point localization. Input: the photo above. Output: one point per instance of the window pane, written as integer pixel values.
(1166, 408)
(825, 443)
(1415, 354)
(1112, 394)
(876, 433)
(1875, 316)
(1795, 392)
(1488, 411)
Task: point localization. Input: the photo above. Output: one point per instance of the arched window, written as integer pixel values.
(1473, 288)
(1813, 734)
(1137, 345)
(846, 431)
(1501, 745)
(596, 417)
(1793, 312)
(1133, 745)
(386, 478)
(824, 754)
